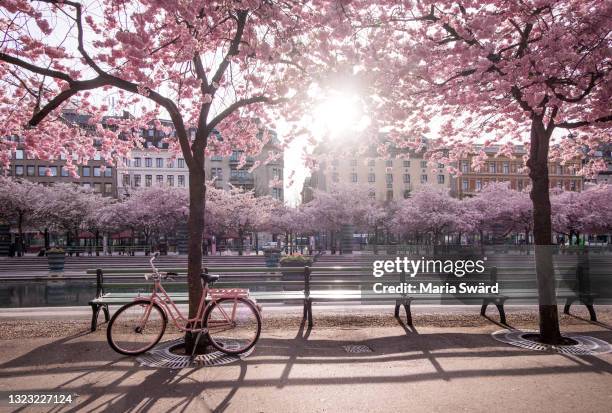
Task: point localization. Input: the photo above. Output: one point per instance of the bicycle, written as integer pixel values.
(230, 320)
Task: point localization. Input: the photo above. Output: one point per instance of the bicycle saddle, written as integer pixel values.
(209, 278)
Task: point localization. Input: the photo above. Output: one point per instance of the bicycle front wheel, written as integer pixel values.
(234, 325)
(136, 327)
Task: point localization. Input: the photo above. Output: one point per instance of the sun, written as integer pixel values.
(339, 113)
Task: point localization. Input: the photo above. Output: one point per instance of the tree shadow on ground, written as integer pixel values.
(104, 380)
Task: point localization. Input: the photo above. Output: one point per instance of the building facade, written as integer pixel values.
(390, 179)
(499, 168)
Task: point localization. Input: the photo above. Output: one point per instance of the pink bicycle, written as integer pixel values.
(230, 320)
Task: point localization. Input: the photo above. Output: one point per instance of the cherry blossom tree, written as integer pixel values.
(429, 210)
(230, 67)
(532, 72)
(153, 211)
(19, 202)
(498, 207)
(340, 205)
(68, 208)
(590, 211)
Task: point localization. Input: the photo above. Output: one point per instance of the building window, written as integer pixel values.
(170, 163)
(18, 170)
(151, 133)
(148, 180)
(137, 181)
(86, 185)
(170, 180)
(108, 188)
(572, 185)
(126, 180)
(406, 178)
(371, 162)
(464, 184)
(159, 179)
(441, 179)
(371, 177)
(97, 171)
(465, 166)
(42, 171)
(97, 187)
(353, 177)
(19, 154)
(216, 173)
(126, 162)
(137, 162)
(389, 195)
(440, 166)
(389, 178)
(86, 171)
(389, 162)
(372, 194)
(148, 162)
(353, 162)
(492, 167)
(478, 184)
(423, 179)
(276, 173)
(108, 172)
(520, 184)
(406, 193)
(406, 164)
(159, 162)
(53, 171)
(277, 193)
(31, 171)
(97, 156)
(506, 167)
(216, 158)
(423, 164)
(181, 180)
(181, 163)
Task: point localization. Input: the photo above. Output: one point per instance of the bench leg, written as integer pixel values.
(568, 304)
(95, 308)
(408, 313)
(397, 309)
(591, 311)
(502, 313)
(106, 313)
(310, 322)
(483, 309)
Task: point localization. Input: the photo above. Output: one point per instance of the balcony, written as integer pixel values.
(242, 180)
(235, 160)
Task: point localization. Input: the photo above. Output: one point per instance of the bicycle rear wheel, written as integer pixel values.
(234, 325)
(136, 327)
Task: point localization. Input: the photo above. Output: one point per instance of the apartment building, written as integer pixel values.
(390, 179)
(95, 174)
(499, 168)
(155, 164)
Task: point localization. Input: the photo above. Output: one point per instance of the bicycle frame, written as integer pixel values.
(160, 296)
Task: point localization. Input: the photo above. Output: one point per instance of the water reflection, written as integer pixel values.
(46, 293)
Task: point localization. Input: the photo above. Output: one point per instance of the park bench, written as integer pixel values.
(309, 285)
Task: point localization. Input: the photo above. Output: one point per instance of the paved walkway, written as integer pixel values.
(293, 370)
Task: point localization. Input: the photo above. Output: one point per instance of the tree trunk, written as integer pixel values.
(542, 232)
(47, 241)
(240, 242)
(197, 201)
(19, 242)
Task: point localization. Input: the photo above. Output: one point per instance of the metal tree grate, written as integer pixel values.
(586, 345)
(161, 356)
(357, 348)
